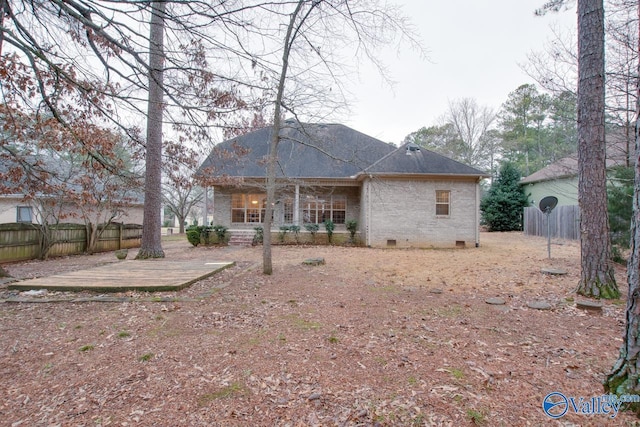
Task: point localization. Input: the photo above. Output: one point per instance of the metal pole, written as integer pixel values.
(548, 215)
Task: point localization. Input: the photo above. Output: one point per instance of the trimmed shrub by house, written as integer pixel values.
(203, 234)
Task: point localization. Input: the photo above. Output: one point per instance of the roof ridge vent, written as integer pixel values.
(412, 148)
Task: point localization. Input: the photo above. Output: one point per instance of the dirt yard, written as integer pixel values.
(373, 337)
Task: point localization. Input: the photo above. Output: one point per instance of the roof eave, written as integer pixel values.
(361, 176)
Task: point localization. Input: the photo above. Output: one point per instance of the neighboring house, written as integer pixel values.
(402, 197)
(14, 208)
(560, 179)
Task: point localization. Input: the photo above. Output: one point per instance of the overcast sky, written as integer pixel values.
(474, 50)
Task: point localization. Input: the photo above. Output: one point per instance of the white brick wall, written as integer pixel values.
(404, 211)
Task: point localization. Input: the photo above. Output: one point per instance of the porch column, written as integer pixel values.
(205, 212)
(296, 206)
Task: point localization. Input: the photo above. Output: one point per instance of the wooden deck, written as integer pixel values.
(150, 276)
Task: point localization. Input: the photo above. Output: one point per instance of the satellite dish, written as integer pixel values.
(546, 206)
(548, 203)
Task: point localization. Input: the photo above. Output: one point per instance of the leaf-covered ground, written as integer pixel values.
(373, 337)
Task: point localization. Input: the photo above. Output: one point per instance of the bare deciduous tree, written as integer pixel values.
(306, 47)
(87, 62)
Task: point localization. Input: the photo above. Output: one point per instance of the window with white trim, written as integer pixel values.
(318, 209)
(24, 214)
(288, 210)
(443, 203)
(248, 208)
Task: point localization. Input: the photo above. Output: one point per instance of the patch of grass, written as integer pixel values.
(78, 327)
(123, 334)
(146, 357)
(333, 339)
(253, 341)
(450, 311)
(385, 289)
(47, 368)
(412, 380)
(303, 324)
(381, 360)
(256, 338)
(475, 416)
(227, 392)
(87, 347)
(419, 420)
(457, 373)
(282, 338)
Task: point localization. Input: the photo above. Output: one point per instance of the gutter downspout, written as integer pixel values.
(368, 225)
(296, 206)
(477, 213)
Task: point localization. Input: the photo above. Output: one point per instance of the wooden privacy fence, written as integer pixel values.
(564, 222)
(24, 241)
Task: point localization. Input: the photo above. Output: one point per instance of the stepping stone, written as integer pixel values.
(495, 301)
(589, 305)
(313, 261)
(553, 271)
(539, 305)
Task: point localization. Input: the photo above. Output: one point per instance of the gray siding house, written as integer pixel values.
(401, 196)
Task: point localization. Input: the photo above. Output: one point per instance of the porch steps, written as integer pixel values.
(241, 237)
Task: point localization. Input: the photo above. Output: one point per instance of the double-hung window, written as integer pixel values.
(443, 203)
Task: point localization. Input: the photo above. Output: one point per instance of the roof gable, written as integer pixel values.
(304, 151)
(412, 159)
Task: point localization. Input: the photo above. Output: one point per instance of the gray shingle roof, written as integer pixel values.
(568, 166)
(411, 159)
(304, 151)
(326, 151)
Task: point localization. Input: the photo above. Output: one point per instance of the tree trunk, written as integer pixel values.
(597, 277)
(151, 246)
(3, 7)
(272, 160)
(91, 237)
(623, 378)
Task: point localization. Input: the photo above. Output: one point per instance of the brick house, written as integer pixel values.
(400, 196)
